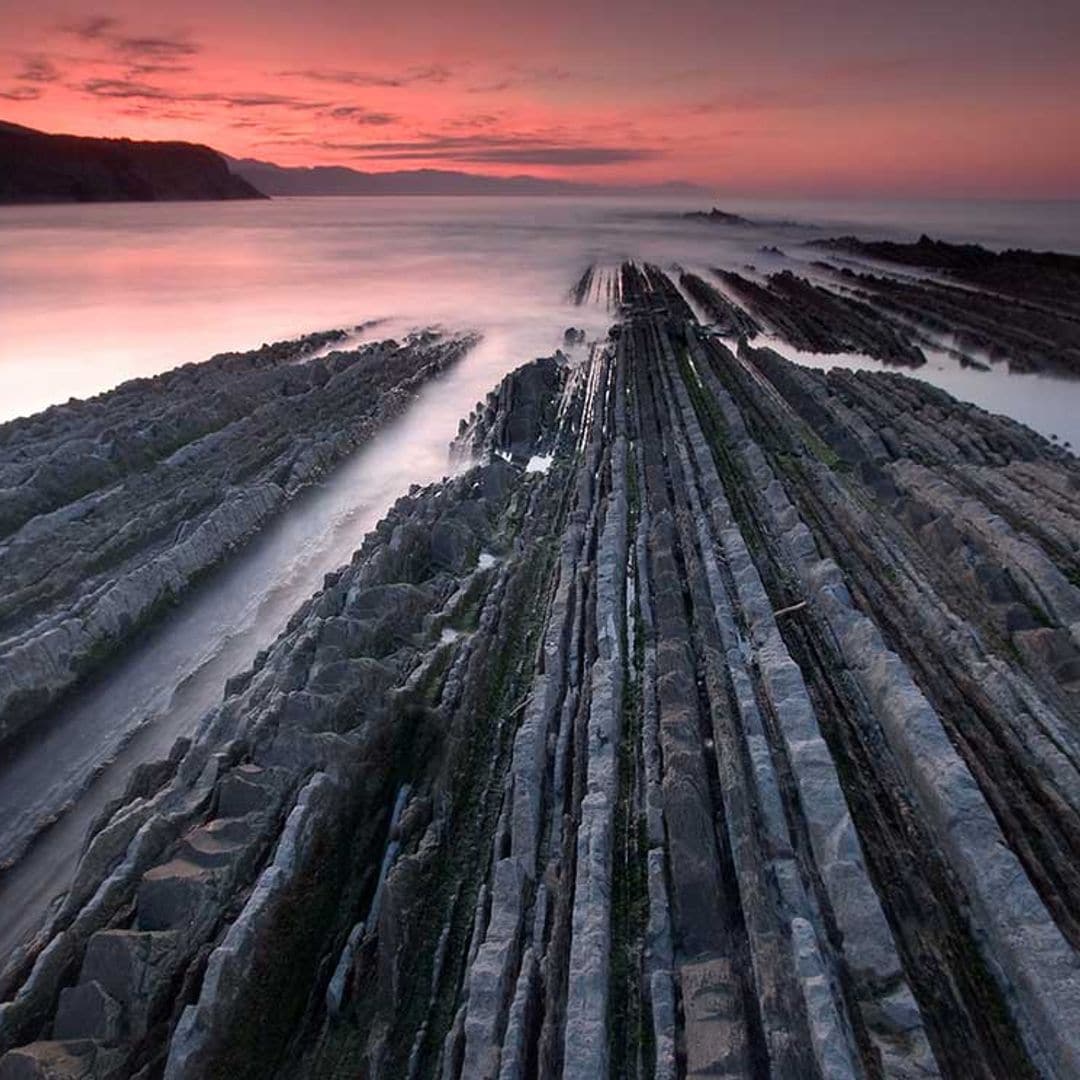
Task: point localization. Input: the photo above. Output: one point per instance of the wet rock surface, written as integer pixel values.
(738, 741)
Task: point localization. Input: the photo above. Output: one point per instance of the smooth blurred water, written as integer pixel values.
(92, 295)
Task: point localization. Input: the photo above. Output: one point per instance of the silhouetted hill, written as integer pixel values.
(39, 168)
(340, 180)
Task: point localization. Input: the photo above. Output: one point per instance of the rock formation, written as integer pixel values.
(110, 509)
(816, 320)
(1018, 306)
(728, 318)
(737, 738)
(1036, 276)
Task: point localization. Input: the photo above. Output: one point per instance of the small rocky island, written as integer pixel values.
(36, 167)
(717, 718)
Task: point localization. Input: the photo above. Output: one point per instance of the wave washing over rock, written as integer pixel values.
(739, 740)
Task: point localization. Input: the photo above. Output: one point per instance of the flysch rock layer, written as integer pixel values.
(111, 508)
(738, 740)
(1019, 306)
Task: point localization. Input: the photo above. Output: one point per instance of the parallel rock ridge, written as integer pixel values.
(893, 302)
(740, 741)
(111, 508)
(1020, 306)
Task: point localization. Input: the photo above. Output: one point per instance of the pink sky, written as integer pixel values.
(969, 97)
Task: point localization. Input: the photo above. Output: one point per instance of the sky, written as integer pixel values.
(765, 97)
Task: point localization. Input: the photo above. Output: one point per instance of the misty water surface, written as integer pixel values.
(92, 295)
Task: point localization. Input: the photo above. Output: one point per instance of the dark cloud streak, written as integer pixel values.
(91, 28)
(142, 54)
(133, 90)
(128, 88)
(521, 76)
(358, 114)
(434, 73)
(21, 93)
(502, 149)
(38, 69)
(157, 48)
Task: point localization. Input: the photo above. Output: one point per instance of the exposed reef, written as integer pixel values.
(1045, 277)
(736, 738)
(727, 317)
(1022, 307)
(111, 508)
(816, 320)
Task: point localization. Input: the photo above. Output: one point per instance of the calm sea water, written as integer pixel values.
(93, 295)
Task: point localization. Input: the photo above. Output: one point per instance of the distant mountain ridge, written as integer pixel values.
(36, 167)
(341, 180)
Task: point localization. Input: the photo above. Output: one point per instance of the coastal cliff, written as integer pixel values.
(719, 720)
(36, 167)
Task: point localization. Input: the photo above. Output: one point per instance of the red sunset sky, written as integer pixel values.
(965, 97)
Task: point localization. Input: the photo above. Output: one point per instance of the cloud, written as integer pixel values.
(126, 88)
(133, 89)
(91, 28)
(141, 54)
(496, 149)
(157, 48)
(38, 69)
(258, 101)
(565, 155)
(136, 90)
(21, 93)
(475, 120)
(517, 75)
(839, 81)
(359, 115)
(132, 70)
(433, 73)
(168, 113)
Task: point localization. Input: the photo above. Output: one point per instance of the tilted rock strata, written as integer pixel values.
(112, 507)
(816, 320)
(739, 741)
(283, 783)
(1018, 306)
(728, 318)
(1047, 278)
